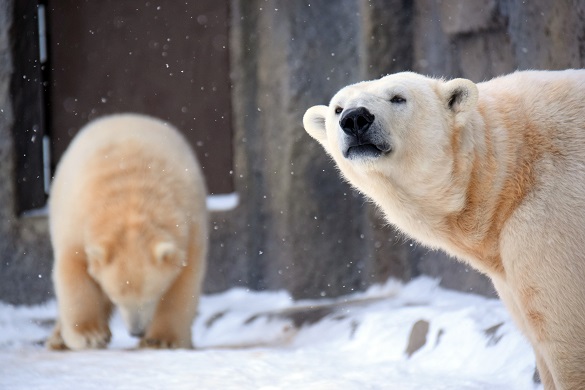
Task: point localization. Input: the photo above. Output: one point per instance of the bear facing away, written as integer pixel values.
(494, 174)
(128, 224)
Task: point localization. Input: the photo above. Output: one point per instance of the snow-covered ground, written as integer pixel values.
(265, 340)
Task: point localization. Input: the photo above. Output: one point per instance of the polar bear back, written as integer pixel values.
(103, 146)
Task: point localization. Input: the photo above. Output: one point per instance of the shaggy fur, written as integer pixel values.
(128, 225)
(492, 173)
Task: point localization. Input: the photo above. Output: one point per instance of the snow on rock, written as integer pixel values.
(413, 337)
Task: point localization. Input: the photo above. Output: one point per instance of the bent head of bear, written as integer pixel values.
(400, 123)
(134, 273)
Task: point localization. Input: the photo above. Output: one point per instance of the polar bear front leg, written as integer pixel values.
(84, 310)
(172, 321)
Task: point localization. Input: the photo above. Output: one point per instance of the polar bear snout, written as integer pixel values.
(137, 317)
(362, 137)
(356, 121)
(138, 333)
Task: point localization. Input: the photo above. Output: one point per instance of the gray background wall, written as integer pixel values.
(298, 226)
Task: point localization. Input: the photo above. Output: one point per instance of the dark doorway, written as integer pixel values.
(161, 58)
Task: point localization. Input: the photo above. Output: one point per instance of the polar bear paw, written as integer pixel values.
(92, 338)
(164, 343)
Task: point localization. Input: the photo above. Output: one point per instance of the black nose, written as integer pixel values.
(139, 333)
(356, 121)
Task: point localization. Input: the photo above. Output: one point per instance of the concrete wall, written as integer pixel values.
(298, 225)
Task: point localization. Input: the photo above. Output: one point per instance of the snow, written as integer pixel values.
(267, 341)
(223, 202)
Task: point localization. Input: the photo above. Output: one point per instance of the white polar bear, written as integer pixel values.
(128, 224)
(494, 174)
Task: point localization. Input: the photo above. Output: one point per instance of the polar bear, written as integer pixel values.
(494, 174)
(128, 224)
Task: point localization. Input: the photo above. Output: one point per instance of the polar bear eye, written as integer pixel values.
(338, 110)
(398, 99)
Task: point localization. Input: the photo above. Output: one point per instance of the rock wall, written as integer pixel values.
(300, 227)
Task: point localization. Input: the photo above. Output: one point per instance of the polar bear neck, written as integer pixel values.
(500, 178)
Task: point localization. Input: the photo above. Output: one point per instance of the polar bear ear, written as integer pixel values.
(460, 95)
(314, 122)
(167, 252)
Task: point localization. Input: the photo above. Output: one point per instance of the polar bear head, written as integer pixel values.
(397, 135)
(134, 267)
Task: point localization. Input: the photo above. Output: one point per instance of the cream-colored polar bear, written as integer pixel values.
(494, 174)
(128, 224)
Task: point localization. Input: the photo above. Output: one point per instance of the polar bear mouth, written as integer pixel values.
(362, 137)
(363, 150)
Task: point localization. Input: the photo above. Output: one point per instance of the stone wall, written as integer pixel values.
(298, 225)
